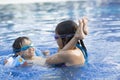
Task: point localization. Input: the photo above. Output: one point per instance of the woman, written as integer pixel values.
(67, 36)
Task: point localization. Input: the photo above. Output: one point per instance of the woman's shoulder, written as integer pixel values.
(71, 53)
(66, 53)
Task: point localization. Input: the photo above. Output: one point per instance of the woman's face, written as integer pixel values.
(28, 53)
(59, 41)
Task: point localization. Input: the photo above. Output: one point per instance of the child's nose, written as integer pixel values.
(31, 48)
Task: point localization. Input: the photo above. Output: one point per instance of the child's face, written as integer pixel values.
(29, 53)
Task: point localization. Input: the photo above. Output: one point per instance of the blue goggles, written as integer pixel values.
(63, 36)
(23, 48)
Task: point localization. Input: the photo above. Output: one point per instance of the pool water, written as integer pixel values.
(38, 21)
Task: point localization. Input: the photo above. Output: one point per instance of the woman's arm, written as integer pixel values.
(57, 58)
(80, 34)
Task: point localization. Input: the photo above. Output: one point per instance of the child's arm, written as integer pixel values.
(8, 62)
(80, 34)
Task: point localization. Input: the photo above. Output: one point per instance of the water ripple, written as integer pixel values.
(38, 21)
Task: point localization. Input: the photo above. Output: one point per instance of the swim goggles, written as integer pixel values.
(63, 36)
(23, 48)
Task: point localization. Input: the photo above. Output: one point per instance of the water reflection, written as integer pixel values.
(38, 21)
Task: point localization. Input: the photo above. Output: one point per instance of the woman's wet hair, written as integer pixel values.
(19, 43)
(66, 28)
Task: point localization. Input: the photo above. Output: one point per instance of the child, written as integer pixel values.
(24, 53)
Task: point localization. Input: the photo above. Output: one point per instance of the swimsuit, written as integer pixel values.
(59, 65)
(84, 51)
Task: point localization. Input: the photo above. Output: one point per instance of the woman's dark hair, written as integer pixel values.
(66, 28)
(19, 43)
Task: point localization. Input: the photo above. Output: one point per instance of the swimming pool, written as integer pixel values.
(38, 21)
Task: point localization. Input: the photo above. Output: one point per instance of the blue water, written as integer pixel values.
(38, 21)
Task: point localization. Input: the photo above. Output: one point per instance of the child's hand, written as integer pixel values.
(46, 52)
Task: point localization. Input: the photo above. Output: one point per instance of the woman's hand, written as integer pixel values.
(85, 27)
(82, 29)
(46, 52)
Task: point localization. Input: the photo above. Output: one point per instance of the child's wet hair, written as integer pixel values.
(19, 43)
